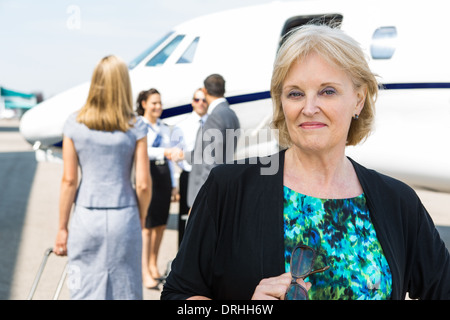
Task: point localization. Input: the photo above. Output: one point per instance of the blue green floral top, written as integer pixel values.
(341, 232)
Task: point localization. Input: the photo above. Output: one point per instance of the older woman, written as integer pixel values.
(370, 231)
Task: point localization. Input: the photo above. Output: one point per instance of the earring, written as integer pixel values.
(356, 116)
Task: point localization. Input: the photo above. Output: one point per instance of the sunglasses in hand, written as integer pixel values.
(302, 262)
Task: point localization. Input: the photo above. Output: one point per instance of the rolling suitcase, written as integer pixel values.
(47, 253)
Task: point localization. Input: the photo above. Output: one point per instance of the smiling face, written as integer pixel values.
(153, 107)
(319, 101)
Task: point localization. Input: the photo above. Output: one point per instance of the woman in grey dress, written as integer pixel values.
(105, 139)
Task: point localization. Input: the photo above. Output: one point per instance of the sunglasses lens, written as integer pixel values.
(301, 261)
(296, 292)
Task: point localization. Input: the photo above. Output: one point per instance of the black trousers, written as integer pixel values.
(184, 209)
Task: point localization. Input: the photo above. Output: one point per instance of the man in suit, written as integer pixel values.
(216, 139)
(185, 132)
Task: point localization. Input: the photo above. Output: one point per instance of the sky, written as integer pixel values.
(49, 46)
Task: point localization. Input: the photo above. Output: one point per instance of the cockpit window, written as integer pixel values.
(144, 54)
(188, 55)
(162, 56)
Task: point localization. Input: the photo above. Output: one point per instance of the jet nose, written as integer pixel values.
(27, 128)
(45, 122)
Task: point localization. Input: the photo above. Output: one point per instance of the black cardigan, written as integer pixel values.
(234, 236)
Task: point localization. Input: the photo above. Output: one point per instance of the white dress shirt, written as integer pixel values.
(157, 153)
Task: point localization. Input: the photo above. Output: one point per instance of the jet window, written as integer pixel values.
(188, 55)
(144, 54)
(383, 43)
(162, 56)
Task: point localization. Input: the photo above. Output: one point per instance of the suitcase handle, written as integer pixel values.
(47, 253)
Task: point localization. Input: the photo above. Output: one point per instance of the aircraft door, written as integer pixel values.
(297, 21)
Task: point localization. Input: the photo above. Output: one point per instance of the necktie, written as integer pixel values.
(157, 141)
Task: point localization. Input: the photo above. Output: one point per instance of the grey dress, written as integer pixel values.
(105, 244)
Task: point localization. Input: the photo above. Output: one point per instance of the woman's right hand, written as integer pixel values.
(60, 248)
(275, 288)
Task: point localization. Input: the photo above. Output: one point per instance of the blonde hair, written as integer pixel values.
(109, 105)
(338, 49)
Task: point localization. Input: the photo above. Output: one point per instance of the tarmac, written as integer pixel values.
(29, 193)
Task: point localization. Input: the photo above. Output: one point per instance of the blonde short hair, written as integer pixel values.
(109, 105)
(338, 49)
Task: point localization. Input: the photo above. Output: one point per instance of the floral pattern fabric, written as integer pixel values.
(341, 232)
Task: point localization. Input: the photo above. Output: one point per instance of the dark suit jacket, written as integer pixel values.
(235, 236)
(215, 144)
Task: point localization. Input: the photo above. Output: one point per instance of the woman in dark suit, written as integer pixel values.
(164, 186)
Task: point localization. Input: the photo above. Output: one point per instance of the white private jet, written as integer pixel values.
(405, 41)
